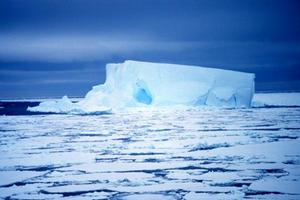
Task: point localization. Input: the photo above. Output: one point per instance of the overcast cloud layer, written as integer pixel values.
(52, 48)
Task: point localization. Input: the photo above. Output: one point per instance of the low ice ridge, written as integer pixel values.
(146, 84)
(65, 105)
(291, 99)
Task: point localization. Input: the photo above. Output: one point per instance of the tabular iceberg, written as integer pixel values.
(135, 83)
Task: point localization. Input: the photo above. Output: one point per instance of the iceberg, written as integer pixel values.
(147, 84)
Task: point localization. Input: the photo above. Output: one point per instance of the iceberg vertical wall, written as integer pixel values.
(135, 83)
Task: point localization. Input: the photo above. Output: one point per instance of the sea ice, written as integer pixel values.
(276, 99)
(276, 185)
(135, 83)
(157, 153)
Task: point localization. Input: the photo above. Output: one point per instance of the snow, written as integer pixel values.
(11, 177)
(134, 83)
(157, 153)
(197, 196)
(148, 197)
(276, 185)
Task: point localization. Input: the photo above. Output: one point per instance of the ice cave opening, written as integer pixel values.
(142, 93)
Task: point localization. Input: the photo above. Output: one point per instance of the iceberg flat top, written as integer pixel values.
(135, 83)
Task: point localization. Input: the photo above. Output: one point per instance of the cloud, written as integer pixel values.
(19, 77)
(79, 48)
(66, 48)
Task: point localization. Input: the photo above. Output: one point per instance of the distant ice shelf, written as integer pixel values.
(290, 99)
(135, 84)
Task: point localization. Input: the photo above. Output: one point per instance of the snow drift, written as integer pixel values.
(135, 83)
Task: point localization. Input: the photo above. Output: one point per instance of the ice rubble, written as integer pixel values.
(135, 83)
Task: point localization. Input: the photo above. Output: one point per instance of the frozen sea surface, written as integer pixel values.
(178, 153)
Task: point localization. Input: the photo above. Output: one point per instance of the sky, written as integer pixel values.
(51, 48)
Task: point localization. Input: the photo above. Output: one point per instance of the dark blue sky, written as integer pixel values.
(56, 47)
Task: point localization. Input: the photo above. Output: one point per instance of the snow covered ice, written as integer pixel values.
(158, 153)
(133, 83)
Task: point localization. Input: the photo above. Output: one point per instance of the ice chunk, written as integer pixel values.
(135, 83)
(65, 105)
(276, 185)
(57, 106)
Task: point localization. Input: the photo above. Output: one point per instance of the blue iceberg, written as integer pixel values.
(146, 84)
